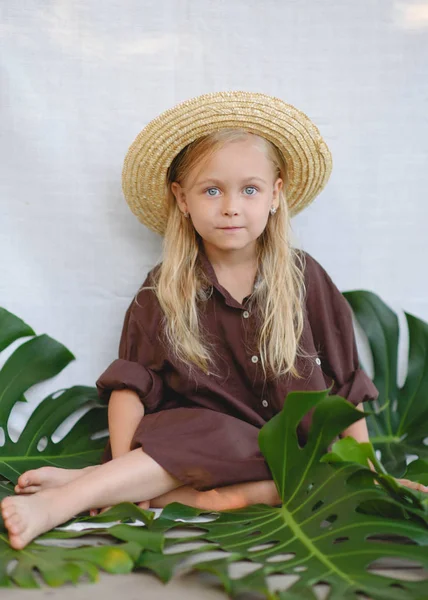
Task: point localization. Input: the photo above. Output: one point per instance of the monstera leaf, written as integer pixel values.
(33, 361)
(333, 522)
(399, 427)
(331, 528)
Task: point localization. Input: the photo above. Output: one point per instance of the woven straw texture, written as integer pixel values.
(146, 163)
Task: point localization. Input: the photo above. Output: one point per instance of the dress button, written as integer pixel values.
(317, 360)
(265, 403)
(255, 359)
(245, 314)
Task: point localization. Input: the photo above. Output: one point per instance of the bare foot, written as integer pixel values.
(47, 477)
(145, 505)
(27, 517)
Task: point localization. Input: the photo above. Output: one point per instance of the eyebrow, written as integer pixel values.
(217, 181)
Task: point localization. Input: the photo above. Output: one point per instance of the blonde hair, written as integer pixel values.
(181, 287)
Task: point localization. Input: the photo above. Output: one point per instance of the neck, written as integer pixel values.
(224, 260)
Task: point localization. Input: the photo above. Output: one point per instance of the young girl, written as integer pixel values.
(232, 319)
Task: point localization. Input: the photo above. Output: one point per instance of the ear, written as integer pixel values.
(277, 187)
(180, 196)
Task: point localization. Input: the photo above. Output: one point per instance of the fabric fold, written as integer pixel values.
(125, 374)
(357, 388)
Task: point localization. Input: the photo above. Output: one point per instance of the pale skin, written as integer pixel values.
(49, 496)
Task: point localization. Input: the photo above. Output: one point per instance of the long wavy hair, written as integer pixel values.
(180, 285)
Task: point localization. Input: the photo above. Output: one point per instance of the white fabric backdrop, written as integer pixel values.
(79, 79)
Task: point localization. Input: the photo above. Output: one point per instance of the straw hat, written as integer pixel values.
(151, 153)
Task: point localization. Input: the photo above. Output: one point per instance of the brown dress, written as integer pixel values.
(204, 432)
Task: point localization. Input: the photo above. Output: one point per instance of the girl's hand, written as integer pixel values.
(95, 511)
(414, 485)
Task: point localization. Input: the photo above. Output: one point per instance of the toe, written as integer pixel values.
(24, 479)
(8, 507)
(29, 489)
(15, 525)
(16, 541)
(7, 501)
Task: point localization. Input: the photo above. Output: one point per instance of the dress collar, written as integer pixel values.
(212, 278)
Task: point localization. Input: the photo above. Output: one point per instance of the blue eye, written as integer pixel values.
(250, 187)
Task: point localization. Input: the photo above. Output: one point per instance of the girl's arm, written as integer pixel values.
(125, 411)
(359, 429)
(360, 433)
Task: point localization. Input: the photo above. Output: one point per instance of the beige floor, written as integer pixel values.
(144, 586)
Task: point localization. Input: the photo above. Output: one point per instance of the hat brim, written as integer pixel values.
(308, 157)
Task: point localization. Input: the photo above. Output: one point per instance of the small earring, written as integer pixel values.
(186, 214)
(273, 210)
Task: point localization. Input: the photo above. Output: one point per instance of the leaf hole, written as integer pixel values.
(66, 426)
(2, 437)
(395, 562)
(281, 557)
(208, 555)
(340, 539)
(310, 486)
(402, 568)
(300, 568)
(317, 505)
(425, 441)
(11, 566)
(43, 442)
(58, 393)
(184, 547)
(322, 590)
(395, 405)
(262, 546)
(99, 434)
(182, 532)
(328, 521)
(281, 583)
(411, 457)
(242, 568)
(387, 538)
(253, 533)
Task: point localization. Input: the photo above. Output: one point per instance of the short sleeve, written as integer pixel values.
(136, 368)
(330, 318)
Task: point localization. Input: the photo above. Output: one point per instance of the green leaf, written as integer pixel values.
(398, 427)
(332, 525)
(417, 471)
(32, 362)
(12, 328)
(75, 450)
(58, 565)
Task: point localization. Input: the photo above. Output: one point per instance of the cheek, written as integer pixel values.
(259, 216)
(203, 220)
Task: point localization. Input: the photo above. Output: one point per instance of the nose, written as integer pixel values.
(230, 205)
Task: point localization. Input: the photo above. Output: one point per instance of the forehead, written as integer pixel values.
(235, 159)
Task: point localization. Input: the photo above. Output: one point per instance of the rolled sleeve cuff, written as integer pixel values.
(125, 374)
(358, 388)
